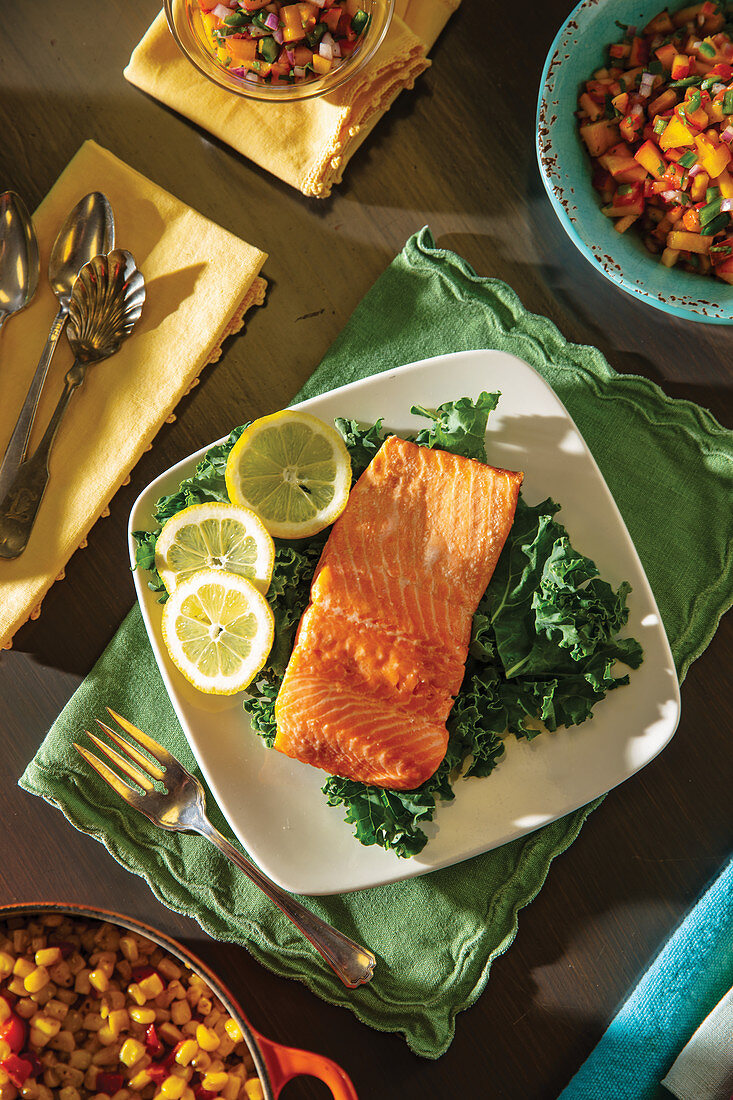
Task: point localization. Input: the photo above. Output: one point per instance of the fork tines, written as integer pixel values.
(145, 771)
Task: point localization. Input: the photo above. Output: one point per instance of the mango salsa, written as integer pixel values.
(657, 122)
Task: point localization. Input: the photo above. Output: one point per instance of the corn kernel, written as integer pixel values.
(46, 1025)
(69, 1093)
(215, 1082)
(206, 1038)
(99, 980)
(131, 1052)
(136, 993)
(16, 986)
(169, 1033)
(36, 980)
(61, 973)
(253, 1088)
(233, 1030)
(188, 1094)
(48, 956)
(232, 1087)
(6, 964)
(118, 1021)
(128, 947)
(80, 1059)
(64, 1042)
(204, 1006)
(172, 1088)
(151, 986)
(5, 1050)
(82, 984)
(106, 1035)
(57, 1009)
(139, 1081)
(186, 1052)
(201, 1061)
(23, 967)
(142, 1015)
(180, 1012)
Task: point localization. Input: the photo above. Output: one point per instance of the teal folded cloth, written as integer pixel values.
(670, 467)
(683, 985)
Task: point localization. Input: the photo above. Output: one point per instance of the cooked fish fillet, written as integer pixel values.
(381, 649)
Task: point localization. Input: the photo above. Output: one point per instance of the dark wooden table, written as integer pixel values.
(456, 153)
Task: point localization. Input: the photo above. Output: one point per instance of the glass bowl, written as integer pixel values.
(182, 16)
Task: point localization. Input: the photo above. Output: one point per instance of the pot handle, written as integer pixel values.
(283, 1063)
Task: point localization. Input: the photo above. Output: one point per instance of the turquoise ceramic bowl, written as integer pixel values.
(577, 51)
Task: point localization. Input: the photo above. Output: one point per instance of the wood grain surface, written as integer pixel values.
(458, 154)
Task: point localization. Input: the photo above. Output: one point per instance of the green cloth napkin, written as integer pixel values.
(670, 467)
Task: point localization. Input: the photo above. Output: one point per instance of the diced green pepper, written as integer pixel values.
(360, 22)
(269, 48)
(715, 226)
(314, 37)
(728, 102)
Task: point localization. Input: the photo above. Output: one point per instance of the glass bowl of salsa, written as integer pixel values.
(269, 50)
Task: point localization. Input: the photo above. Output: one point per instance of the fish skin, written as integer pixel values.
(380, 651)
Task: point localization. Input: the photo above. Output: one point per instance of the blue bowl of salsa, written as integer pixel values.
(579, 48)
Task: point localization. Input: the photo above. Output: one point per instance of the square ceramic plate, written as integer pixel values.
(275, 805)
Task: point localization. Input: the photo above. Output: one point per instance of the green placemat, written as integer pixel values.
(670, 467)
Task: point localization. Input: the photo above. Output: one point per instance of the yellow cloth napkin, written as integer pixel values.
(309, 143)
(200, 280)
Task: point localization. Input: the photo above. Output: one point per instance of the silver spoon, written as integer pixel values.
(105, 303)
(88, 231)
(19, 263)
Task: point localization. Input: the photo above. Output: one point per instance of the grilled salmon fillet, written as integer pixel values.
(380, 650)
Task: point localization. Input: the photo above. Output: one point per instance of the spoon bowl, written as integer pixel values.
(88, 231)
(19, 263)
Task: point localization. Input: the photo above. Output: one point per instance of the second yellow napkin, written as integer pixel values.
(305, 143)
(200, 280)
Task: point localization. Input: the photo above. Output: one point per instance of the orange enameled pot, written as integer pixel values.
(276, 1064)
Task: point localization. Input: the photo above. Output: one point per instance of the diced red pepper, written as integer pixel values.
(153, 1044)
(65, 948)
(157, 1072)
(18, 1069)
(142, 971)
(109, 1082)
(203, 1094)
(631, 197)
(14, 1031)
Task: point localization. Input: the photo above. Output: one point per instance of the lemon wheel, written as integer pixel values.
(293, 470)
(214, 536)
(218, 630)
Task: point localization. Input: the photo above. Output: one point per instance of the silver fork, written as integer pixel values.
(182, 808)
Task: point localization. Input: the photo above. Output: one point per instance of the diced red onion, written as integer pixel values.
(727, 135)
(290, 54)
(325, 50)
(252, 77)
(695, 45)
(695, 171)
(277, 34)
(257, 32)
(717, 88)
(272, 21)
(670, 196)
(298, 70)
(646, 84)
(637, 110)
(221, 11)
(726, 205)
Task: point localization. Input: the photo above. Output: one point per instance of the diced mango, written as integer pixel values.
(688, 242)
(677, 134)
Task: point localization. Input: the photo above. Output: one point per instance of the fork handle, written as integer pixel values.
(353, 964)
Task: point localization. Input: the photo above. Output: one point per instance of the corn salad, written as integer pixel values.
(90, 1010)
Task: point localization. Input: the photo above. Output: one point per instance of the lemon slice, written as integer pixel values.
(214, 536)
(292, 470)
(218, 630)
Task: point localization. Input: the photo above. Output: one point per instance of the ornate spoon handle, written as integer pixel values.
(16, 449)
(353, 964)
(22, 500)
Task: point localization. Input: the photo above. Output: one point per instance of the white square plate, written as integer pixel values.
(275, 805)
